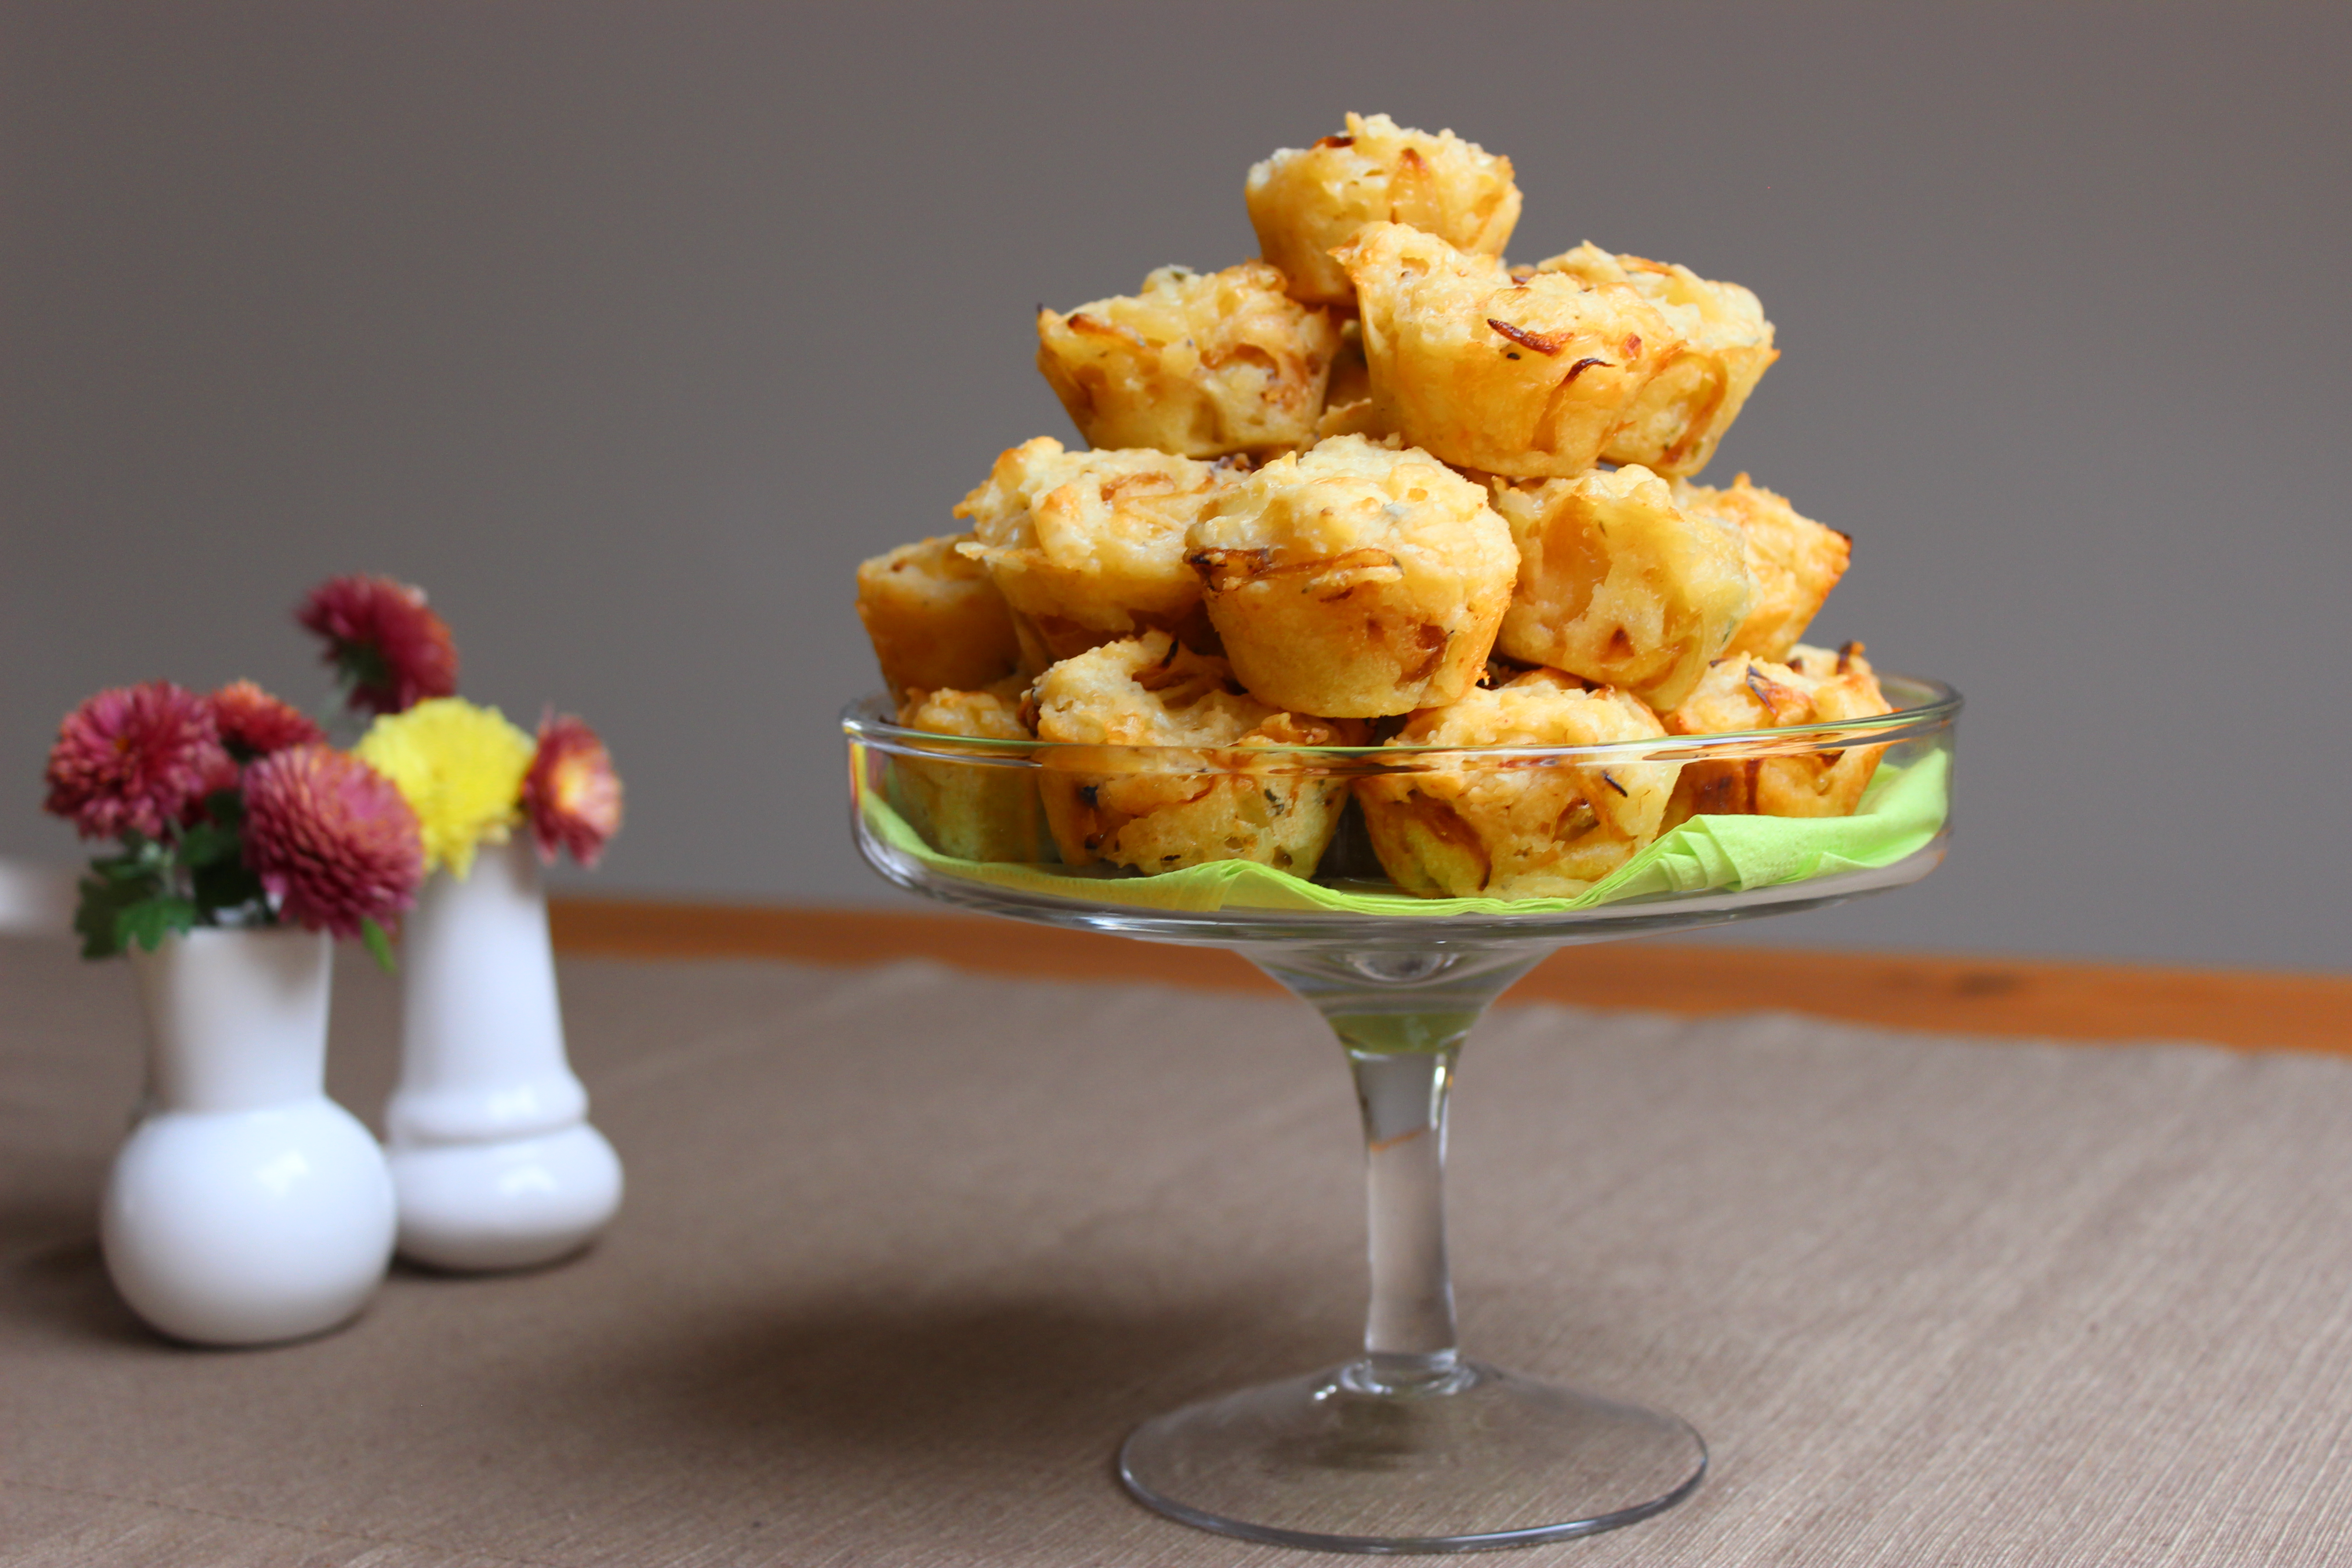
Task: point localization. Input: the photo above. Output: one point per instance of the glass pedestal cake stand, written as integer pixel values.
(1412, 1447)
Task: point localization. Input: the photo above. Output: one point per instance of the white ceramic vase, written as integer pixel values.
(246, 1206)
(492, 1152)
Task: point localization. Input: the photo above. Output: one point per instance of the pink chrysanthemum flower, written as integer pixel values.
(332, 838)
(136, 759)
(572, 795)
(381, 637)
(253, 723)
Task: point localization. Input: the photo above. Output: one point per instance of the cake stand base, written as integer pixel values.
(1460, 1460)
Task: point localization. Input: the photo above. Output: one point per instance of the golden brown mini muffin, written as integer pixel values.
(1089, 546)
(1201, 364)
(1355, 580)
(1223, 798)
(1305, 201)
(961, 804)
(1727, 346)
(1815, 687)
(1794, 561)
(1620, 586)
(1462, 827)
(1525, 377)
(935, 618)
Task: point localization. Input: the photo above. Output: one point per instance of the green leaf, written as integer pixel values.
(116, 883)
(360, 665)
(147, 922)
(208, 843)
(103, 900)
(227, 807)
(226, 885)
(380, 945)
(142, 858)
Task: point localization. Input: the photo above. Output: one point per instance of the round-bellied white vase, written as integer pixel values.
(246, 1206)
(492, 1152)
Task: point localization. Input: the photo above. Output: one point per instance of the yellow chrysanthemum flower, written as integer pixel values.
(461, 768)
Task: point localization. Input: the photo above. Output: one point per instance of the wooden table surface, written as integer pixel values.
(2013, 996)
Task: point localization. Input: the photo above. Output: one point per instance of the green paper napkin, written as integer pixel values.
(1899, 813)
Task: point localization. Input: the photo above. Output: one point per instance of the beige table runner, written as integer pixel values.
(906, 1252)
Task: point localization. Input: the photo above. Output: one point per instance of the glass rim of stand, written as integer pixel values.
(1924, 715)
(1922, 707)
(1410, 1446)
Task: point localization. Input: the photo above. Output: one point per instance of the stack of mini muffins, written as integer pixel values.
(1354, 494)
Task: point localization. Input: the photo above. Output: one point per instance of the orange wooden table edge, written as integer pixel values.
(2054, 999)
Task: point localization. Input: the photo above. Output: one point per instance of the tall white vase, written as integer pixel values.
(246, 1206)
(496, 1165)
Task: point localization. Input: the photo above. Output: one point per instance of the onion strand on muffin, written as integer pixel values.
(1529, 377)
(1462, 826)
(1203, 364)
(1816, 686)
(1087, 547)
(1211, 782)
(1793, 562)
(961, 804)
(1619, 584)
(1723, 348)
(935, 619)
(1355, 580)
(1305, 200)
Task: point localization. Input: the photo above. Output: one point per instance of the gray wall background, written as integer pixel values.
(629, 329)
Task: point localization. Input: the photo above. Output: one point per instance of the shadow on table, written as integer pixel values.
(994, 1386)
(53, 1282)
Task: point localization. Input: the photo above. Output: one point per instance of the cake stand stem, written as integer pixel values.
(1410, 1446)
(1402, 1015)
(1408, 1338)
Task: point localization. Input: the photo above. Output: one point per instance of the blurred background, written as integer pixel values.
(627, 329)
